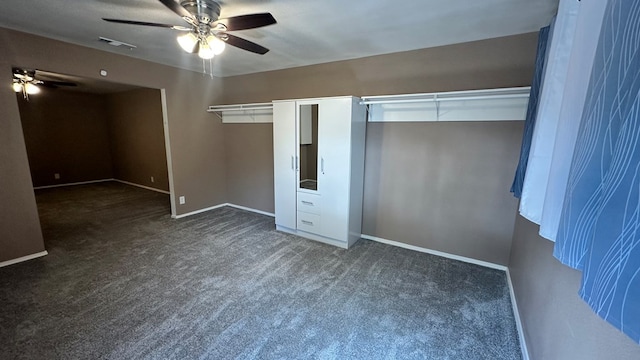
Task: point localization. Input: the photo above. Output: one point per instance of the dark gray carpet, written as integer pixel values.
(124, 281)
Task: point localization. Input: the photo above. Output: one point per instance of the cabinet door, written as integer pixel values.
(284, 162)
(334, 132)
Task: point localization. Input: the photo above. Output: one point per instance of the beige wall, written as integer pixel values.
(136, 134)
(20, 232)
(197, 150)
(557, 323)
(66, 133)
(443, 186)
(440, 186)
(249, 151)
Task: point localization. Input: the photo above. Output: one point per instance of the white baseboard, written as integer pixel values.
(223, 205)
(142, 186)
(23, 258)
(99, 181)
(251, 209)
(198, 211)
(72, 184)
(516, 315)
(436, 252)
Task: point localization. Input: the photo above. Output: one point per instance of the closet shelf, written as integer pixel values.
(240, 107)
(244, 113)
(500, 104)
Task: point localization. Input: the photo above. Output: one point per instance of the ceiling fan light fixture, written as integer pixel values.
(31, 89)
(17, 87)
(217, 45)
(188, 41)
(205, 52)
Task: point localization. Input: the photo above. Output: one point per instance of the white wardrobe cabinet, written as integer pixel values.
(319, 168)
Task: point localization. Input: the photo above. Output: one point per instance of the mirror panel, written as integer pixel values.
(308, 136)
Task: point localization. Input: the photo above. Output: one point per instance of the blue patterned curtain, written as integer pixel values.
(532, 109)
(600, 222)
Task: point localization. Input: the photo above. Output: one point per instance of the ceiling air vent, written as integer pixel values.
(117, 43)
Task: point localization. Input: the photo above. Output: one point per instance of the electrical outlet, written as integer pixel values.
(152, 179)
(56, 176)
(182, 200)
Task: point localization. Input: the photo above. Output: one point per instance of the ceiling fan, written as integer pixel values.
(206, 34)
(25, 82)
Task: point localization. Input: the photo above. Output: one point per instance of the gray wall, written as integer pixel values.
(136, 136)
(66, 133)
(557, 323)
(198, 150)
(439, 186)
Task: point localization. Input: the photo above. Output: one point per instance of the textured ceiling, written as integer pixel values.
(308, 31)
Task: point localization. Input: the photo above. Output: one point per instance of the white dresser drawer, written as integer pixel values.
(308, 222)
(309, 203)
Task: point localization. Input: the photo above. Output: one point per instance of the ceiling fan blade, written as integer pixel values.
(48, 85)
(57, 83)
(250, 21)
(144, 23)
(180, 10)
(246, 44)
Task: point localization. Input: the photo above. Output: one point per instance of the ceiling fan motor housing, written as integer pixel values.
(206, 11)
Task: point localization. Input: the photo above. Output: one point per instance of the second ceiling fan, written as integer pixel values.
(206, 34)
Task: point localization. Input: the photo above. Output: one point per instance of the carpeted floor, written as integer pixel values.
(124, 281)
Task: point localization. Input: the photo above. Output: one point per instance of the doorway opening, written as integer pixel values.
(91, 131)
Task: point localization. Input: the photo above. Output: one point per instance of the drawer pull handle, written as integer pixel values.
(307, 222)
(307, 202)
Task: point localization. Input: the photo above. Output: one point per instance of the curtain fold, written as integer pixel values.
(532, 108)
(548, 114)
(588, 25)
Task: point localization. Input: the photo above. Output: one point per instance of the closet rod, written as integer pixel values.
(434, 99)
